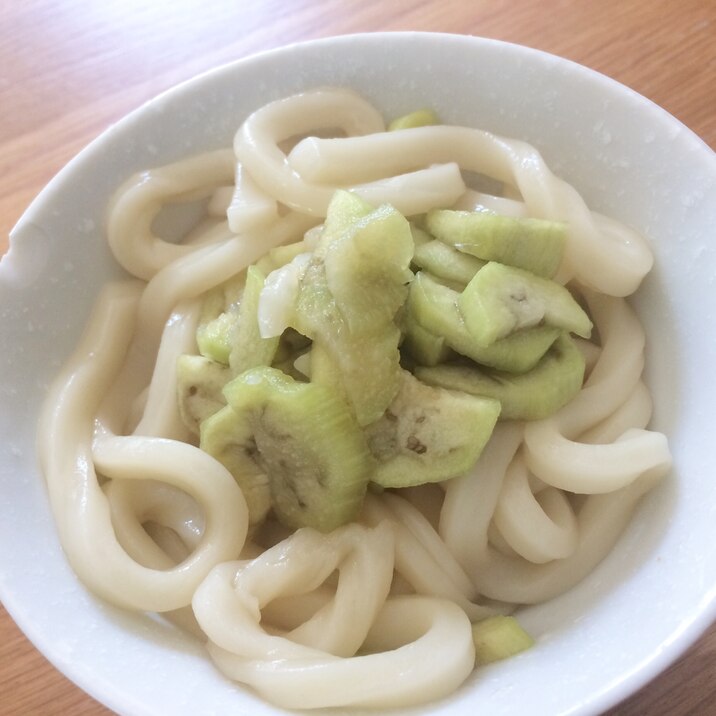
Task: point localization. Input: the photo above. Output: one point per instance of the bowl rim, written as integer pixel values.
(375, 36)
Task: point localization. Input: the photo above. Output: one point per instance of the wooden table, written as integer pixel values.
(68, 68)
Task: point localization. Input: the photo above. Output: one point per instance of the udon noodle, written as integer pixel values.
(378, 612)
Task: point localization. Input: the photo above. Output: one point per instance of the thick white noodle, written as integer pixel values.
(300, 564)
(602, 254)
(80, 506)
(634, 412)
(427, 499)
(208, 231)
(421, 558)
(505, 576)
(479, 201)
(257, 149)
(470, 500)
(161, 416)
(209, 266)
(425, 644)
(552, 452)
(133, 503)
(601, 521)
(539, 528)
(137, 204)
(219, 203)
(250, 208)
(424, 652)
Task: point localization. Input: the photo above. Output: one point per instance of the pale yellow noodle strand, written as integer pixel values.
(470, 500)
(168, 540)
(250, 207)
(414, 630)
(620, 361)
(635, 412)
(611, 259)
(428, 499)
(420, 568)
(203, 478)
(256, 142)
(220, 201)
(590, 352)
(134, 502)
(363, 570)
(190, 276)
(557, 458)
(125, 401)
(498, 542)
(127, 519)
(66, 463)
(427, 536)
(80, 507)
(352, 160)
(138, 202)
(300, 564)
(208, 231)
(135, 402)
(257, 148)
(416, 192)
(481, 202)
(539, 529)
(289, 612)
(184, 279)
(595, 469)
(161, 416)
(428, 653)
(601, 521)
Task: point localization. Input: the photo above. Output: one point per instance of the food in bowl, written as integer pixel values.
(354, 362)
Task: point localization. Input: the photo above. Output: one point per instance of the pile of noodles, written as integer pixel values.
(377, 613)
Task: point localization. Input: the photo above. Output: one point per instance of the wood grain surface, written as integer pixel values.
(69, 68)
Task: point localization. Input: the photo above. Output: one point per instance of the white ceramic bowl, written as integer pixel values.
(645, 604)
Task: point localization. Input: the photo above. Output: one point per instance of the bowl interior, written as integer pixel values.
(644, 604)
